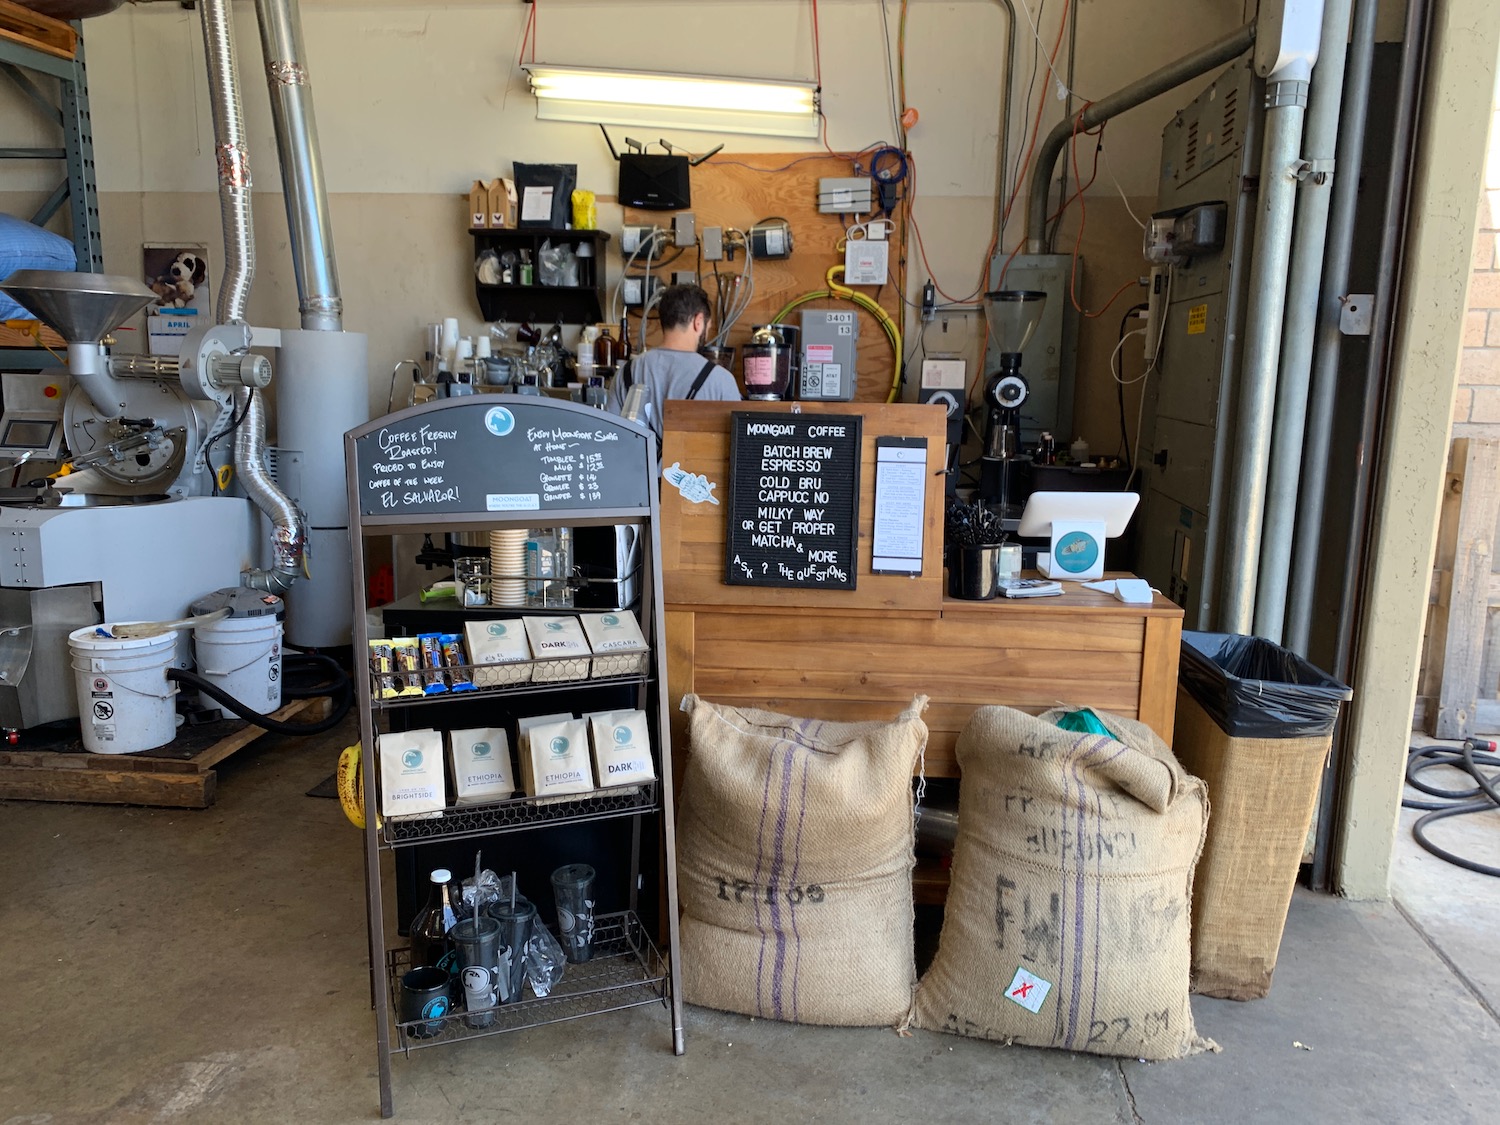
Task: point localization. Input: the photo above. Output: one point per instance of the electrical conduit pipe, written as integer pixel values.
(1309, 241)
(1281, 168)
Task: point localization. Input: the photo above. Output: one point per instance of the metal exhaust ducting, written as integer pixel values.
(1174, 74)
(301, 169)
(233, 159)
(289, 530)
(322, 385)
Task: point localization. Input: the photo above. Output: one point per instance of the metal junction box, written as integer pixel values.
(830, 349)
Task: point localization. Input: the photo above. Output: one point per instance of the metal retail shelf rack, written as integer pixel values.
(68, 110)
(488, 463)
(625, 971)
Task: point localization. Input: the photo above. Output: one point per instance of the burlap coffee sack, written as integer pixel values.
(794, 846)
(1067, 916)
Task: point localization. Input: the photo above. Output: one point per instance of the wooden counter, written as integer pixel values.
(863, 654)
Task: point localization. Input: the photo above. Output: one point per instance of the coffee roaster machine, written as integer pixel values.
(149, 481)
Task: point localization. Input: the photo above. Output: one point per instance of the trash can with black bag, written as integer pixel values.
(1255, 722)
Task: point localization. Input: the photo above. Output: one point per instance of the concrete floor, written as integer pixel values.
(210, 967)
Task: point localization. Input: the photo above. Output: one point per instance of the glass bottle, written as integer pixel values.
(430, 944)
(606, 350)
(626, 351)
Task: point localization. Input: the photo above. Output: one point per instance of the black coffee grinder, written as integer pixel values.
(1013, 315)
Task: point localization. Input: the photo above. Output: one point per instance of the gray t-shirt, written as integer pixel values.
(668, 373)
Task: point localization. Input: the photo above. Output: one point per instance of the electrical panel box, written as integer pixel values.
(830, 349)
(684, 229)
(1209, 160)
(1048, 360)
(713, 244)
(845, 195)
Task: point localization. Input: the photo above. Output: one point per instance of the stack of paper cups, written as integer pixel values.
(508, 567)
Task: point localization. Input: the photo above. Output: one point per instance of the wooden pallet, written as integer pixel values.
(1460, 676)
(32, 29)
(180, 775)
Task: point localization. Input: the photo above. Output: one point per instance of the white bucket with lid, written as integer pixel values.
(125, 701)
(241, 654)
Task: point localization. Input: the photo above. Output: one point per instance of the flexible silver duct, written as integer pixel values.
(233, 158)
(301, 169)
(288, 529)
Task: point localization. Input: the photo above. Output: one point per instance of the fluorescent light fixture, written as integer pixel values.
(689, 101)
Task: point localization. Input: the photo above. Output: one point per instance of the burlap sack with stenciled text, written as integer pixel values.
(794, 861)
(1067, 916)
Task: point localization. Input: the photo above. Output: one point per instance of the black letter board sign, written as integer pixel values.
(501, 453)
(793, 500)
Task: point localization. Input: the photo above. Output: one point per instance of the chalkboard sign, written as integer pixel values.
(793, 500)
(501, 453)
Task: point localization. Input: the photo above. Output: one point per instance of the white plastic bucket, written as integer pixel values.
(242, 656)
(125, 701)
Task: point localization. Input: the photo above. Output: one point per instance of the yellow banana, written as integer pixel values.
(351, 785)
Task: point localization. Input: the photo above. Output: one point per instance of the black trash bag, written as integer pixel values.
(1255, 689)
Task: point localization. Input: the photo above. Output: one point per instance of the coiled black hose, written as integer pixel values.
(335, 684)
(1483, 797)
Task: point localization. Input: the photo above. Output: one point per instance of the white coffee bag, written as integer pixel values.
(558, 756)
(619, 648)
(523, 745)
(411, 774)
(494, 643)
(559, 647)
(480, 759)
(622, 747)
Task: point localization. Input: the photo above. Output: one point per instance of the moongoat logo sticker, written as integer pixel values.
(622, 735)
(609, 620)
(554, 626)
(499, 421)
(559, 747)
(495, 629)
(412, 759)
(481, 749)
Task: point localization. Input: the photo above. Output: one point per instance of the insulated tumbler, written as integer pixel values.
(573, 887)
(478, 949)
(515, 935)
(425, 996)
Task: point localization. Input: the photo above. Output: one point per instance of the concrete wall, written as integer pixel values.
(1430, 315)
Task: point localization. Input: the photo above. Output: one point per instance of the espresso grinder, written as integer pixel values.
(1013, 315)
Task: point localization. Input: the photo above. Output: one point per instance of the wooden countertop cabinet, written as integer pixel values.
(863, 654)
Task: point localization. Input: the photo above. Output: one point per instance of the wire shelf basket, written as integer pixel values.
(625, 971)
(520, 812)
(484, 680)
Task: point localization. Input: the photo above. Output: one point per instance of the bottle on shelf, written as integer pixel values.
(585, 358)
(430, 943)
(626, 351)
(1046, 452)
(606, 351)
